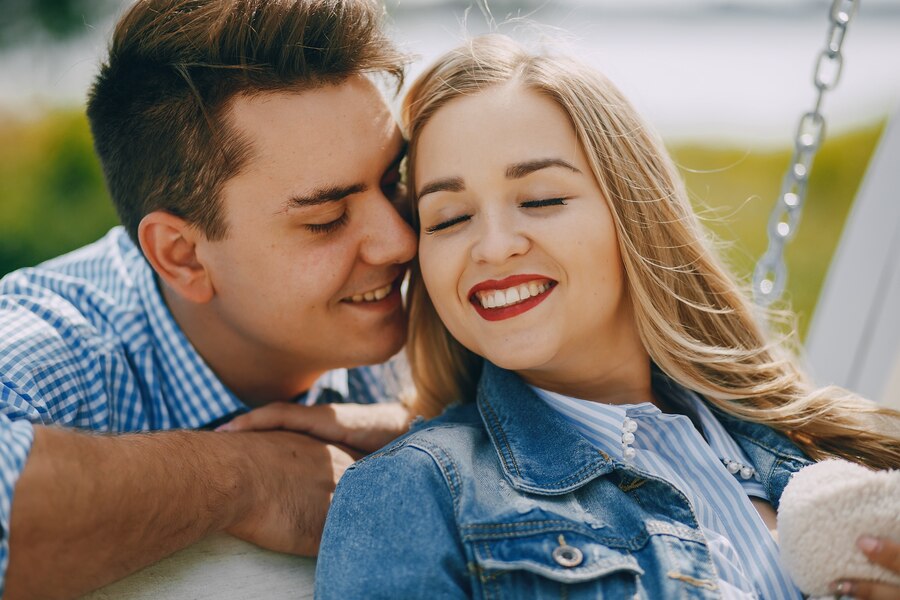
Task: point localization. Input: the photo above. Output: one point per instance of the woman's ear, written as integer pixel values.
(170, 245)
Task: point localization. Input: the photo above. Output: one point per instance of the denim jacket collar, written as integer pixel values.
(773, 455)
(541, 453)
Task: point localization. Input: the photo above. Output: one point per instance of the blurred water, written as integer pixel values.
(697, 69)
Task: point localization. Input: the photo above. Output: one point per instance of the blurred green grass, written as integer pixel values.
(52, 197)
(734, 192)
(52, 194)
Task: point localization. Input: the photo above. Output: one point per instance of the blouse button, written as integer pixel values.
(567, 556)
(746, 473)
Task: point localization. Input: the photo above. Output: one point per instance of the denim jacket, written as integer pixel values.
(503, 499)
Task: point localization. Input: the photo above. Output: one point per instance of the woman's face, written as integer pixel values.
(518, 249)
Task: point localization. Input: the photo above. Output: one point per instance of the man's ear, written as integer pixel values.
(170, 245)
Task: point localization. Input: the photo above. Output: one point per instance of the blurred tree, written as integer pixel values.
(56, 19)
(52, 195)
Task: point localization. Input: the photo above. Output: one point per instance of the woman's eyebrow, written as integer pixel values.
(447, 184)
(514, 171)
(519, 170)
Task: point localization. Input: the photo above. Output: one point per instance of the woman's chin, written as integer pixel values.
(518, 361)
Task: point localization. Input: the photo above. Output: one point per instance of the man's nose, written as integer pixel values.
(388, 239)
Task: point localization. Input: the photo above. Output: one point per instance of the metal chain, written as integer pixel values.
(770, 275)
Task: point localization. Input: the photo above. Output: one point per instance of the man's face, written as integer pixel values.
(308, 275)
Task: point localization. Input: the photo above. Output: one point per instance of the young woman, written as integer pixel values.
(623, 427)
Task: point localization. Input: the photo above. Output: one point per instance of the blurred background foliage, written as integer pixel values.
(56, 19)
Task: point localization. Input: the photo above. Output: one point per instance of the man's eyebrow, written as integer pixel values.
(334, 193)
(325, 194)
(519, 170)
(447, 184)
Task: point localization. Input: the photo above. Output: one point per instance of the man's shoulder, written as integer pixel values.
(63, 322)
(108, 265)
(91, 289)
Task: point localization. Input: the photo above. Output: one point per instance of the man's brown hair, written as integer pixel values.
(158, 106)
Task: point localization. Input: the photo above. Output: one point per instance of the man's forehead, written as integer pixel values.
(297, 145)
(324, 119)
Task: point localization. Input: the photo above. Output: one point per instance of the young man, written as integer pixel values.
(253, 164)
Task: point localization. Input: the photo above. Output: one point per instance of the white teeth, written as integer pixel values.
(373, 295)
(513, 295)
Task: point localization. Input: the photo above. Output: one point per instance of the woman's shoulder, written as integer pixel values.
(446, 447)
(458, 428)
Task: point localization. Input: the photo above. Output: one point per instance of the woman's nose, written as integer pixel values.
(499, 239)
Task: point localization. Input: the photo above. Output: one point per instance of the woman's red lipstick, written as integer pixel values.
(507, 312)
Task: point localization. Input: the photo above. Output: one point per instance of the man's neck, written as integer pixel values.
(255, 375)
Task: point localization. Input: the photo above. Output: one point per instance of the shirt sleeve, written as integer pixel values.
(40, 382)
(391, 533)
(15, 444)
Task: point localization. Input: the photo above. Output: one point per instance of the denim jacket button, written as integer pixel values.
(567, 556)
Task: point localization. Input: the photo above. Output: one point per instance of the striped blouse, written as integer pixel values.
(708, 467)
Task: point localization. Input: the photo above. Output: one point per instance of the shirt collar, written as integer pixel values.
(540, 452)
(772, 454)
(601, 423)
(774, 457)
(336, 381)
(194, 394)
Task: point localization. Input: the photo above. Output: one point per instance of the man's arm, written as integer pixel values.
(91, 509)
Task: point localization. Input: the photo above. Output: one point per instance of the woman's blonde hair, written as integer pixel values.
(693, 319)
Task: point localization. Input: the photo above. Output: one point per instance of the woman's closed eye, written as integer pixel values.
(447, 224)
(542, 203)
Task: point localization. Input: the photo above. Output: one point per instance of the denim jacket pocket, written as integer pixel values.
(550, 560)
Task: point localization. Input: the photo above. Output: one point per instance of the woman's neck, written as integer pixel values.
(620, 377)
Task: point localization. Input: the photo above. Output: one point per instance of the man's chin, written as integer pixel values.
(378, 347)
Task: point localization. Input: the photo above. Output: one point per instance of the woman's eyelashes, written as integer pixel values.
(447, 224)
(545, 202)
(329, 227)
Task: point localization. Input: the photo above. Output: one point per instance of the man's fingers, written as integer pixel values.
(279, 415)
(881, 552)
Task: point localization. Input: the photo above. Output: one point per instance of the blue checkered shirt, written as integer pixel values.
(86, 341)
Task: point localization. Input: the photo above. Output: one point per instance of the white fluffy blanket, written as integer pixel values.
(823, 510)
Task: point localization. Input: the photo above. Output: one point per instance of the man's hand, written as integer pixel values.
(364, 427)
(881, 552)
(100, 507)
(287, 500)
